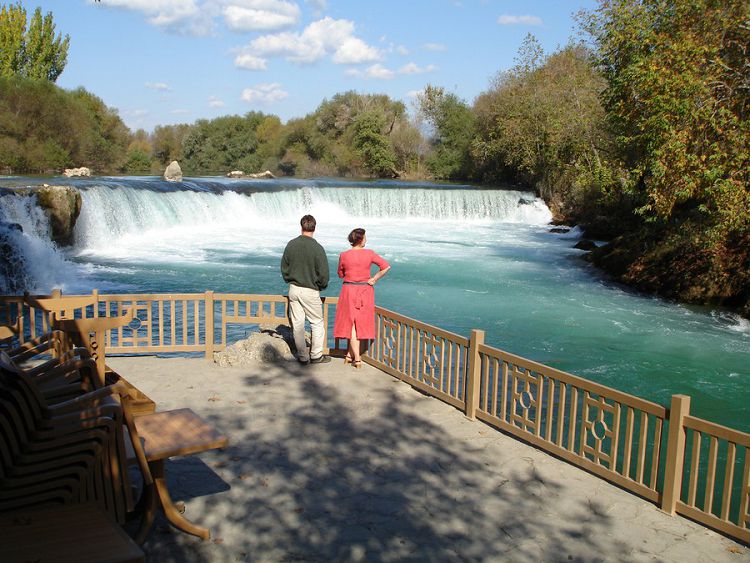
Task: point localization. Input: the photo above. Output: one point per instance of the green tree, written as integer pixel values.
(34, 53)
(541, 124)
(372, 144)
(45, 128)
(454, 127)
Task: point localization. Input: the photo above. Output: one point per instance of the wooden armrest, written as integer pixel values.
(89, 399)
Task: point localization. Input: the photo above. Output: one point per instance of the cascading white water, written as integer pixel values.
(110, 213)
(30, 260)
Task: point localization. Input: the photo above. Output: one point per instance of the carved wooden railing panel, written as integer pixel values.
(615, 435)
(712, 478)
(427, 357)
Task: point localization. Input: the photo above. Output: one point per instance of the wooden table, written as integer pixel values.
(78, 533)
(166, 434)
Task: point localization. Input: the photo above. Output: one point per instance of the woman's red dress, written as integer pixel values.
(357, 302)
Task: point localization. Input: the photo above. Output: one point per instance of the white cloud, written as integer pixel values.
(353, 51)
(376, 72)
(435, 47)
(327, 36)
(513, 20)
(179, 16)
(413, 68)
(214, 102)
(401, 50)
(264, 93)
(157, 86)
(249, 62)
(318, 4)
(255, 15)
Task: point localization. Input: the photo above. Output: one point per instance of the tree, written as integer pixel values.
(34, 53)
(541, 124)
(677, 90)
(454, 126)
(45, 128)
(373, 146)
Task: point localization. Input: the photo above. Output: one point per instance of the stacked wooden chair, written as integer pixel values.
(62, 445)
(70, 428)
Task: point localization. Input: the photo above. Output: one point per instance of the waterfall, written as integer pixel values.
(127, 220)
(29, 260)
(110, 212)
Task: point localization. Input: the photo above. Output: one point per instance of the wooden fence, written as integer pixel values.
(683, 464)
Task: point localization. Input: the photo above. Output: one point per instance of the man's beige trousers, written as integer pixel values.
(305, 302)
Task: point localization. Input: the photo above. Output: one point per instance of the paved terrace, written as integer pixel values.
(328, 463)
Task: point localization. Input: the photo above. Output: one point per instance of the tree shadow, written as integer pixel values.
(319, 475)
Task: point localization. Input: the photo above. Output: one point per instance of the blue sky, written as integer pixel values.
(175, 61)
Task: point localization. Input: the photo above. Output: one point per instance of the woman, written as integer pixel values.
(355, 312)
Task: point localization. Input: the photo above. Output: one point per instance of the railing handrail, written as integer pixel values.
(532, 401)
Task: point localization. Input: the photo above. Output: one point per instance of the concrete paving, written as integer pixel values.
(329, 463)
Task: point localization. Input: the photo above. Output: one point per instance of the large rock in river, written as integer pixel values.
(82, 171)
(62, 205)
(268, 175)
(173, 173)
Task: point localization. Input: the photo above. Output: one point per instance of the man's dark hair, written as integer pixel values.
(307, 223)
(356, 236)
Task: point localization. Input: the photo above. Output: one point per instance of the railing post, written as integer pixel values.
(209, 320)
(95, 295)
(679, 409)
(473, 373)
(51, 318)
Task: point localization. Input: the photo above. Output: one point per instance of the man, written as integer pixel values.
(304, 267)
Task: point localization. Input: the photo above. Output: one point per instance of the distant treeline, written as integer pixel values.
(640, 135)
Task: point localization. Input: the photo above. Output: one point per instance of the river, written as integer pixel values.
(462, 257)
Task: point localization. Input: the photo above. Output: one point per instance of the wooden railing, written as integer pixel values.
(684, 464)
(167, 323)
(428, 358)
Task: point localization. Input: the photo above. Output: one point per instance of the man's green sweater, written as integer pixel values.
(304, 263)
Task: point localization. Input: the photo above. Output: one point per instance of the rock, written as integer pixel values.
(173, 173)
(525, 201)
(11, 226)
(62, 205)
(269, 345)
(261, 175)
(585, 244)
(235, 174)
(600, 228)
(559, 230)
(82, 171)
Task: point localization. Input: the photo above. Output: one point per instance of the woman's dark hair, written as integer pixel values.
(356, 236)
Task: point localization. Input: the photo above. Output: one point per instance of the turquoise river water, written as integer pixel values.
(462, 257)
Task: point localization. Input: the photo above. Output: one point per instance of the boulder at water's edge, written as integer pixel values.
(62, 205)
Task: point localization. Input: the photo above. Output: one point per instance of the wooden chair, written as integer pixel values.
(91, 334)
(37, 441)
(100, 416)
